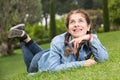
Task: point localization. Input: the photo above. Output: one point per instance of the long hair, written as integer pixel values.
(67, 48)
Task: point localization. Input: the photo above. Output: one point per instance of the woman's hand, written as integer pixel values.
(89, 62)
(76, 41)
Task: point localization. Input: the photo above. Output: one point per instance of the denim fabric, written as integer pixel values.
(54, 58)
(31, 55)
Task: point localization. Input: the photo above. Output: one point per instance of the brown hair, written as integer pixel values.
(86, 15)
(67, 48)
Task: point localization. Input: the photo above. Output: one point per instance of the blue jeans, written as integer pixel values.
(31, 54)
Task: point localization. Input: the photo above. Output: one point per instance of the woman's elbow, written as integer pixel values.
(102, 58)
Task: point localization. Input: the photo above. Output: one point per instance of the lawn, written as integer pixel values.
(13, 67)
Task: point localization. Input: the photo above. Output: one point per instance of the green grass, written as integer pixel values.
(14, 64)
(13, 67)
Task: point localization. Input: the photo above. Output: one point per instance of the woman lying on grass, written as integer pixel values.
(71, 49)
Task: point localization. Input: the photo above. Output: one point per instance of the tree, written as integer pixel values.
(45, 4)
(88, 4)
(13, 12)
(114, 8)
(64, 6)
(106, 16)
(97, 4)
(61, 7)
(52, 20)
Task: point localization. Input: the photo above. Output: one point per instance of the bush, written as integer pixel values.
(97, 19)
(60, 23)
(38, 33)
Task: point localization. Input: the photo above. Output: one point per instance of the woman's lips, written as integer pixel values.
(77, 30)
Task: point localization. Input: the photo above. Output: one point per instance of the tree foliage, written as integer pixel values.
(45, 9)
(97, 4)
(114, 8)
(13, 12)
(64, 6)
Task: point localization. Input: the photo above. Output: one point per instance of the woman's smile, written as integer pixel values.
(78, 25)
(77, 30)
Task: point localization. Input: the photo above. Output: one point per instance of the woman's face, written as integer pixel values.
(78, 25)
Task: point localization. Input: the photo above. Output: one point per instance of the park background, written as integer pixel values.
(45, 19)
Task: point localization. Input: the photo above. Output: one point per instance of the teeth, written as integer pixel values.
(77, 30)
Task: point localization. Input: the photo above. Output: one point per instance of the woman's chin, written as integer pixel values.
(76, 36)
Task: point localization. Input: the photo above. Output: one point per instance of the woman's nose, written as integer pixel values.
(76, 24)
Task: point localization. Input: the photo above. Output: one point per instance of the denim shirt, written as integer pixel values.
(55, 59)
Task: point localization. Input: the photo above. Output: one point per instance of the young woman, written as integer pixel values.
(71, 49)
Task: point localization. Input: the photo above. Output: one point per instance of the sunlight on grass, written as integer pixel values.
(14, 64)
(13, 67)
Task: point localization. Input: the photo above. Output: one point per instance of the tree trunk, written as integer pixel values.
(52, 20)
(5, 47)
(46, 23)
(106, 16)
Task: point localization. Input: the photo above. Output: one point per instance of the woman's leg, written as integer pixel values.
(36, 52)
(34, 63)
(27, 55)
(33, 47)
(29, 47)
(30, 51)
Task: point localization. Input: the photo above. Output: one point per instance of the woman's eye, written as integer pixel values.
(71, 22)
(80, 20)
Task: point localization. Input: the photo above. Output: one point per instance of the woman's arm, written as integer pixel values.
(55, 63)
(98, 50)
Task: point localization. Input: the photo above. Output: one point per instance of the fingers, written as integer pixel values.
(72, 41)
(89, 62)
(75, 42)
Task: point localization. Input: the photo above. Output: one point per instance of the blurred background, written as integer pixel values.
(44, 19)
